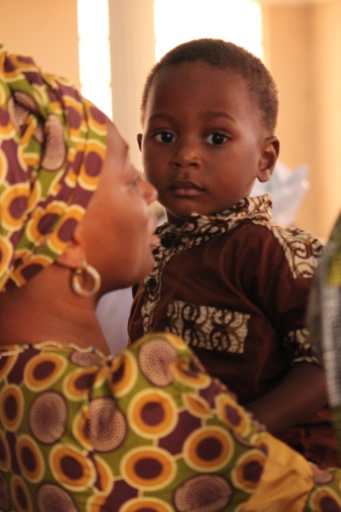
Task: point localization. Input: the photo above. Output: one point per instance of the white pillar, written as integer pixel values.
(132, 47)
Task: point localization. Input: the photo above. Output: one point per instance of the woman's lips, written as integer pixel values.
(185, 189)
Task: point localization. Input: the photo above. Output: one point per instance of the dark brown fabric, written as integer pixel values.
(238, 299)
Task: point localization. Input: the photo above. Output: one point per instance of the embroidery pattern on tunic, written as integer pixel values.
(208, 327)
(195, 231)
(301, 249)
(299, 346)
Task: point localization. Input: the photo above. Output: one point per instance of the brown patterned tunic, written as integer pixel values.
(234, 286)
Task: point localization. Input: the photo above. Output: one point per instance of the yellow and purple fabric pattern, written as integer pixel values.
(52, 146)
(147, 430)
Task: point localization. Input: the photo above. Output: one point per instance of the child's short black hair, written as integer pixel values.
(225, 55)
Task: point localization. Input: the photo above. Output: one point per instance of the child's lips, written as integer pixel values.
(185, 189)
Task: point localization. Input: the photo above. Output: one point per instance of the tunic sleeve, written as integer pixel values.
(286, 261)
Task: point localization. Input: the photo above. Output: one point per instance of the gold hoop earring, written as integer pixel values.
(78, 287)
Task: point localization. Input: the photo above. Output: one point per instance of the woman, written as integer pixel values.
(79, 431)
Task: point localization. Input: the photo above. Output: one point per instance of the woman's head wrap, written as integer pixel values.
(52, 147)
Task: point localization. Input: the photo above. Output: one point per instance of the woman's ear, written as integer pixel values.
(139, 140)
(72, 257)
(268, 159)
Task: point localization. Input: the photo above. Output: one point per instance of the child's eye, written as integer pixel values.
(164, 137)
(216, 138)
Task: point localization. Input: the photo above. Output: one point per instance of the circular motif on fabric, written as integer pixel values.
(43, 220)
(78, 384)
(35, 194)
(52, 498)
(41, 92)
(207, 493)
(13, 206)
(21, 155)
(85, 359)
(233, 415)
(20, 495)
(108, 426)
(148, 468)
(5, 458)
(54, 153)
(75, 113)
(62, 235)
(259, 440)
(146, 505)
(5, 503)
(92, 164)
(30, 159)
(6, 252)
(24, 101)
(81, 428)
(321, 476)
(43, 370)
(6, 364)
(106, 477)
(154, 358)
(28, 270)
(325, 499)
(208, 449)
(177, 342)
(71, 177)
(96, 119)
(124, 373)
(47, 417)
(71, 468)
(188, 376)
(3, 164)
(16, 65)
(196, 405)
(248, 470)
(7, 130)
(30, 460)
(152, 414)
(11, 407)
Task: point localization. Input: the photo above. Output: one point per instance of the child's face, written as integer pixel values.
(204, 143)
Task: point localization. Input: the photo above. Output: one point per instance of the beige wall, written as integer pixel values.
(44, 29)
(302, 50)
(326, 114)
(302, 42)
(132, 48)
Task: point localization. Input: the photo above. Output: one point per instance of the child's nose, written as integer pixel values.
(186, 153)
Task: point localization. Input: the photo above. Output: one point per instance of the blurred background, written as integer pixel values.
(107, 47)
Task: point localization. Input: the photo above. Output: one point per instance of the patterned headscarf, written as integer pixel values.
(52, 146)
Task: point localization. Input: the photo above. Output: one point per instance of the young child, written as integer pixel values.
(226, 279)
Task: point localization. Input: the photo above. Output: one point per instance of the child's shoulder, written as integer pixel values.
(271, 229)
(272, 242)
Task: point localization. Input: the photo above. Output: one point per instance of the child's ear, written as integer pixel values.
(139, 140)
(268, 159)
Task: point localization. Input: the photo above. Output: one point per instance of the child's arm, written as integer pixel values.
(300, 394)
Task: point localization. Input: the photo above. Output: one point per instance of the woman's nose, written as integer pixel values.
(149, 192)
